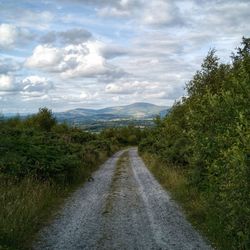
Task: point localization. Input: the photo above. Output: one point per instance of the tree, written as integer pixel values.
(206, 77)
(44, 119)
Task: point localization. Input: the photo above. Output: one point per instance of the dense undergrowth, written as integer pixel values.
(41, 162)
(207, 135)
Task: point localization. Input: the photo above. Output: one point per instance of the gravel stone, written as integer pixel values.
(123, 208)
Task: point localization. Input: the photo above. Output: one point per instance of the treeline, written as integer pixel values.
(207, 134)
(40, 160)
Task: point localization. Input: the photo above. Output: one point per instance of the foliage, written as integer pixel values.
(40, 160)
(208, 133)
(40, 147)
(126, 136)
(44, 120)
(25, 205)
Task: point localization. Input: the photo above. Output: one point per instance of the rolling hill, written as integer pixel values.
(138, 114)
(135, 111)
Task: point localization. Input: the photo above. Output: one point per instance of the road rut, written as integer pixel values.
(123, 208)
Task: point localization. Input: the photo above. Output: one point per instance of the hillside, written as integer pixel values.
(138, 114)
(135, 111)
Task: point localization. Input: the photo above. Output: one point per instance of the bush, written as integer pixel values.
(208, 132)
(44, 120)
(39, 147)
(40, 162)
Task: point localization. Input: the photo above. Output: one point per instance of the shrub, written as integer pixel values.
(208, 132)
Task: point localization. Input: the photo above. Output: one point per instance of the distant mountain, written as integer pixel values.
(139, 110)
(135, 110)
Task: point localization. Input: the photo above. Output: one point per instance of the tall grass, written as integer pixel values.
(195, 207)
(25, 206)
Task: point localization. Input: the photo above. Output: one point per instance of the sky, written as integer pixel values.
(66, 54)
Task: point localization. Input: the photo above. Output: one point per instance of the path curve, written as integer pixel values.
(123, 208)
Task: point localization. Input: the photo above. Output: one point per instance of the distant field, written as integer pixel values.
(96, 126)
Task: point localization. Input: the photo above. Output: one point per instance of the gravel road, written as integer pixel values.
(123, 208)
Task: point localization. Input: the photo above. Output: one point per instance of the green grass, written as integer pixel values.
(120, 165)
(25, 207)
(124, 158)
(28, 205)
(195, 207)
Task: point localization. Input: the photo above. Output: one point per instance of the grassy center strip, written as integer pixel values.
(121, 164)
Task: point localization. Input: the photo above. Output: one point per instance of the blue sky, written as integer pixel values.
(97, 53)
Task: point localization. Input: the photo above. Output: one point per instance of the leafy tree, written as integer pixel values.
(208, 132)
(43, 119)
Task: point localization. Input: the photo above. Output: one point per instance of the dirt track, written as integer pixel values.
(123, 208)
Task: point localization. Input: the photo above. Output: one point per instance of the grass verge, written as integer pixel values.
(28, 205)
(25, 206)
(195, 207)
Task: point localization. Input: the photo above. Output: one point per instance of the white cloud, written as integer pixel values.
(7, 83)
(40, 20)
(31, 86)
(84, 95)
(72, 61)
(161, 12)
(8, 65)
(152, 13)
(36, 86)
(71, 36)
(8, 35)
(113, 12)
(129, 87)
(115, 89)
(45, 57)
(11, 35)
(81, 97)
(86, 60)
(112, 51)
(120, 8)
(149, 49)
(144, 90)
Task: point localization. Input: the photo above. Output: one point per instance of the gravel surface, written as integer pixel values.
(123, 208)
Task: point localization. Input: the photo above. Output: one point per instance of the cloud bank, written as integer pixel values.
(82, 53)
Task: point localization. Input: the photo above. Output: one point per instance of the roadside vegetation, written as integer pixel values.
(41, 163)
(201, 150)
